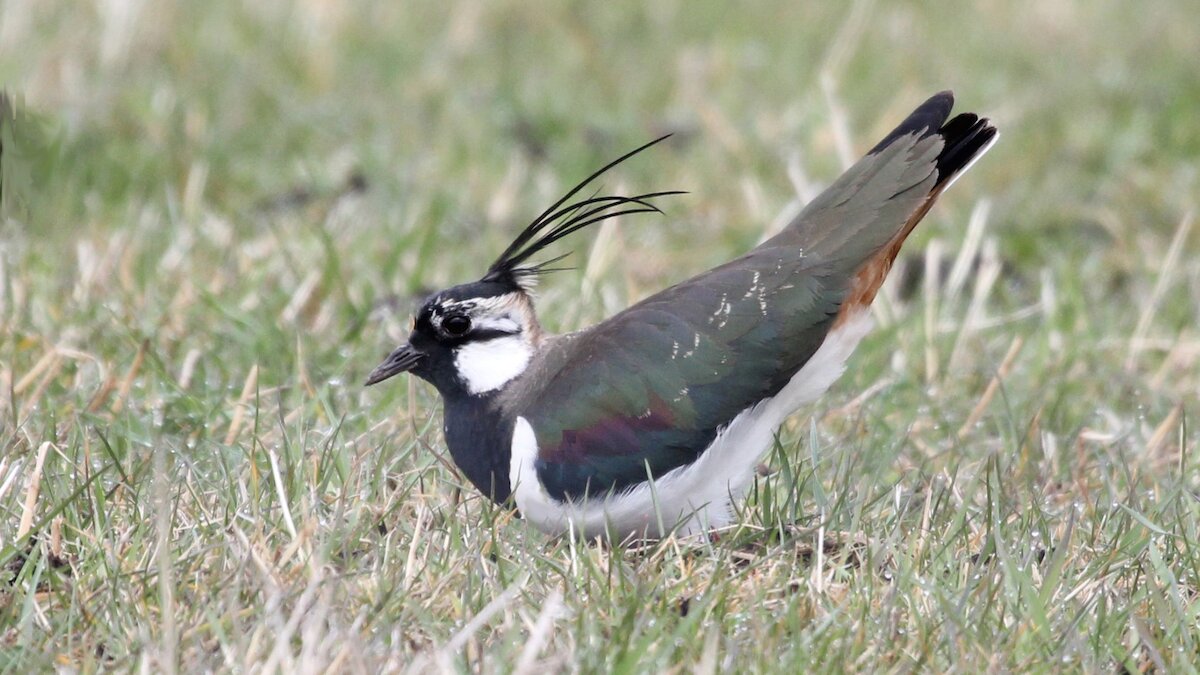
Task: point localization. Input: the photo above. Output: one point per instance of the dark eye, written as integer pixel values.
(456, 325)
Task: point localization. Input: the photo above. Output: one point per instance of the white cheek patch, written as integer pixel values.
(488, 365)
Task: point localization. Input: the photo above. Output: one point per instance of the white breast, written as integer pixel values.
(693, 498)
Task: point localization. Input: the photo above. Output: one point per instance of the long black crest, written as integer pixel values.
(564, 218)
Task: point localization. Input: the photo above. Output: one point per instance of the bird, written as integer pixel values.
(652, 422)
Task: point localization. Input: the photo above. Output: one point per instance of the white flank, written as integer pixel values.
(488, 365)
(693, 498)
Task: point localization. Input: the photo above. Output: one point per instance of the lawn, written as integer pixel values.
(217, 218)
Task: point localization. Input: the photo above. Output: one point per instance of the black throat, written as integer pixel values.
(479, 436)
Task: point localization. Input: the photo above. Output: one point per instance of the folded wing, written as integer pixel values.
(647, 390)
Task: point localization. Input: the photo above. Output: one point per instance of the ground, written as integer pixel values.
(217, 217)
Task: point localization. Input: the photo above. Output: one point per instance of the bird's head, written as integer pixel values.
(477, 337)
(468, 339)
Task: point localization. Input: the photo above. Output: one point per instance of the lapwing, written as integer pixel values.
(653, 421)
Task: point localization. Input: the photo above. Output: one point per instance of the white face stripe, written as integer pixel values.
(504, 324)
(487, 365)
(477, 307)
(511, 313)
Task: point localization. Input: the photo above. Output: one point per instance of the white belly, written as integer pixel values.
(693, 498)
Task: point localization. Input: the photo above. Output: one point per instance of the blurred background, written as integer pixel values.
(217, 217)
(192, 128)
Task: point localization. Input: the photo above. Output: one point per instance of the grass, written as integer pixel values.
(221, 214)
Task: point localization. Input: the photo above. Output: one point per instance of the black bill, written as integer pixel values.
(400, 361)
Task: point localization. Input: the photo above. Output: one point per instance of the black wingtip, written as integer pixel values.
(928, 117)
(965, 136)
